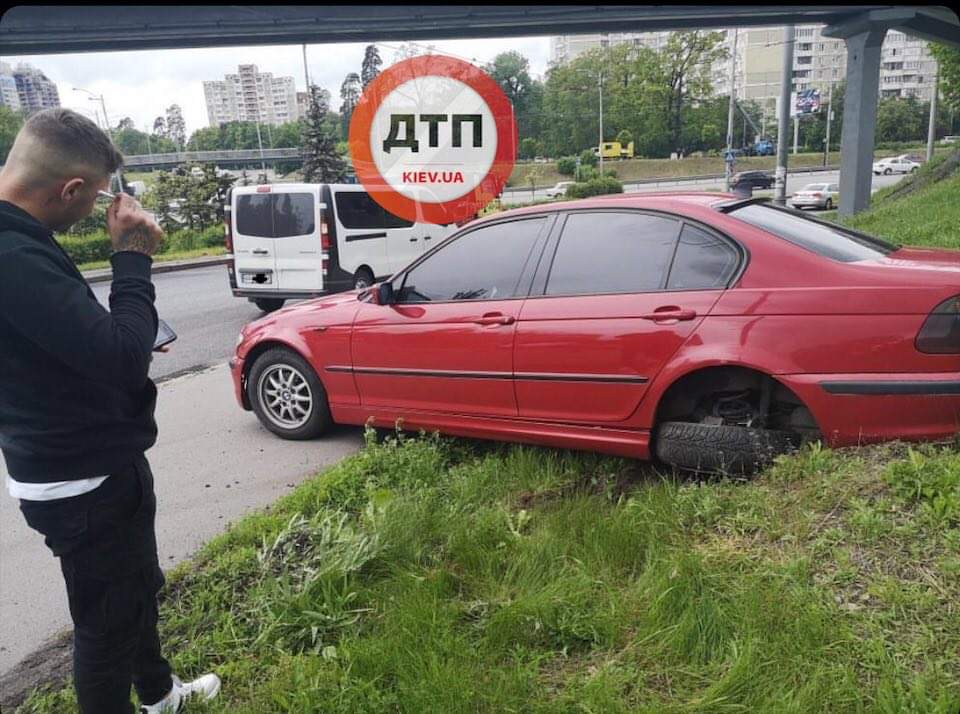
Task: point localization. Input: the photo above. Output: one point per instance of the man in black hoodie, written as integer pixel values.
(76, 408)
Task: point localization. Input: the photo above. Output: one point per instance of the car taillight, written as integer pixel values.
(817, 194)
(227, 232)
(940, 334)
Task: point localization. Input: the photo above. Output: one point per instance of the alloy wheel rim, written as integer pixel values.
(285, 396)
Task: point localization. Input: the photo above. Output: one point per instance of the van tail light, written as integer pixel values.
(940, 334)
(227, 232)
(324, 236)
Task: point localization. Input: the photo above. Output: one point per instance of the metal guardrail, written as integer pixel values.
(685, 179)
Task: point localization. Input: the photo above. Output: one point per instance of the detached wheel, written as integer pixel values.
(287, 396)
(363, 278)
(729, 450)
(269, 304)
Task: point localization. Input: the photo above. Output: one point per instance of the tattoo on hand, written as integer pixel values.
(136, 239)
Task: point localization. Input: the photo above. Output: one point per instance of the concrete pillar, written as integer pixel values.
(860, 118)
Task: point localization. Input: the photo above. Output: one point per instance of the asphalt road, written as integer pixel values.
(212, 463)
(795, 182)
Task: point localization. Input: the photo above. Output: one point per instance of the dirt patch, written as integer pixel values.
(50, 665)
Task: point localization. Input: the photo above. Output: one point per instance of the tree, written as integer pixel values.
(132, 142)
(529, 148)
(321, 162)
(371, 65)
(10, 123)
(511, 70)
(901, 119)
(350, 97)
(948, 60)
(125, 123)
(176, 127)
(687, 61)
(160, 126)
(199, 195)
(624, 137)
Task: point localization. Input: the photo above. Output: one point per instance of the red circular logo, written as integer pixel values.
(433, 139)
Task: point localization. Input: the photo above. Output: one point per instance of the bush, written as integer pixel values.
(595, 187)
(588, 158)
(87, 248)
(567, 166)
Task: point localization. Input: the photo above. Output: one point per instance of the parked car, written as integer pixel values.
(645, 325)
(894, 165)
(752, 179)
(559, 190)
(949, 139)
(816, 195)
(293, 240)
(911, 157)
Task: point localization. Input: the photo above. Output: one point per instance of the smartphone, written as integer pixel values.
(165, 335)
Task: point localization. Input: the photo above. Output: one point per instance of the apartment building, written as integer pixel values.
(251, 95)
(26, 88)
(9, 97)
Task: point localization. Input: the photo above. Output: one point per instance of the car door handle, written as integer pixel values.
(414, 240)
(427, 237)
(670, 313)
(261, 251)
(496, 318)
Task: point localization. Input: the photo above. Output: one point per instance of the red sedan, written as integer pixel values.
(708, 331)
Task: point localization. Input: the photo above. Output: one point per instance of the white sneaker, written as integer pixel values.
(206, 687)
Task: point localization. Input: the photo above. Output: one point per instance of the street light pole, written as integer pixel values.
(600, 78)
(106, 121)
(932, 128)
(783, 120)
(733, 73)
(826, 148)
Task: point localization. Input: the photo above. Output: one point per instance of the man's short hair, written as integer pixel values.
(74, 140)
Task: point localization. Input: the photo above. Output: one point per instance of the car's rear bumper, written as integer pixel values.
(236, 373)
(805, 202)
(855, 409)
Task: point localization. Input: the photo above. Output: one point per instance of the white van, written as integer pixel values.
(297, 240)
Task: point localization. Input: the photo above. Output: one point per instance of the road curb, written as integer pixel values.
(99, 276)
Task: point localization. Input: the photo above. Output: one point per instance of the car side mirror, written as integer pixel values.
(383, 293)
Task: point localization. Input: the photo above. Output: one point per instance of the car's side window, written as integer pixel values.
(356, 209)
(702, 262)
(612, 252)
(484, 264)
(833, 187)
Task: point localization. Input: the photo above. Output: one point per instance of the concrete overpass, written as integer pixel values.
(223, 159)
(38, 29)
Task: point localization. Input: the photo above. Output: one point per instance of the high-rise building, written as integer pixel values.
(9, 97)
(907, 69)
(34, 90)
(251, 95)
(303, 103)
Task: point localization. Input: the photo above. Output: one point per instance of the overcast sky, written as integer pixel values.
(142, 85)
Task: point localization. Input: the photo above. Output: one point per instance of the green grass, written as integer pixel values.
(635, 169)
(436, 575)
(928, 216)
(162, 257)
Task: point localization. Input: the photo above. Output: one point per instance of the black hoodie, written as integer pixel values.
(75, 397)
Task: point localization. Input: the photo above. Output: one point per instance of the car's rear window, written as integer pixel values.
(820, 237)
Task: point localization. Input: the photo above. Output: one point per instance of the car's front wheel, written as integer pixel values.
(287, 396)
(723, 449)
(887, 172)
(913, 170)
(268, 304)
(828, 205)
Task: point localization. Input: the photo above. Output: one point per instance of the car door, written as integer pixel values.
(361, 231)
(446, 344)
(296, 228)
(623, 291)
(253, 243)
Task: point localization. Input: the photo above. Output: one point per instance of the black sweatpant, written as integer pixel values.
(107, 546)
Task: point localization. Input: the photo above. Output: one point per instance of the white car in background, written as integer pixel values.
(816, 195)
(559, 190)
(895, 165)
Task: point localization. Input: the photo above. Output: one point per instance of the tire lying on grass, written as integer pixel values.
(287, 396)
(729, 450)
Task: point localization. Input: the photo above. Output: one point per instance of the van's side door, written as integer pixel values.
(296, 220)
(253, 242)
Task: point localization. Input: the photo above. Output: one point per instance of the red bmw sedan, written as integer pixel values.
(706, 331)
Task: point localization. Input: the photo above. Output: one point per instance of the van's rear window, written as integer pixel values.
(823, 238)
(275, 215)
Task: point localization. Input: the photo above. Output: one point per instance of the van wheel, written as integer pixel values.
(269, 304)
(728, 450)
(287, 396)
(363, 278)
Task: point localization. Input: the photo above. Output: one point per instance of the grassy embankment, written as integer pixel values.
(161, 257)
(428, 575)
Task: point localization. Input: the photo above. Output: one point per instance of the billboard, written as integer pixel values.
(804, 102)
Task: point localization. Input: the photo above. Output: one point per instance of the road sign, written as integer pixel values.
(433, 139)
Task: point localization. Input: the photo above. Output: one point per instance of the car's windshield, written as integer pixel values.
(821, 237)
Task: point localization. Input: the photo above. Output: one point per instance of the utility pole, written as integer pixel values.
(826, 148)
(783, 120)
(146, 130)
(306, 74)
(796, 132)
(600, 86)
(932, 129)
(263, 165)
(730, 105)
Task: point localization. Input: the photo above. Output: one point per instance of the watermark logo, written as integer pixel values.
(433, 139)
